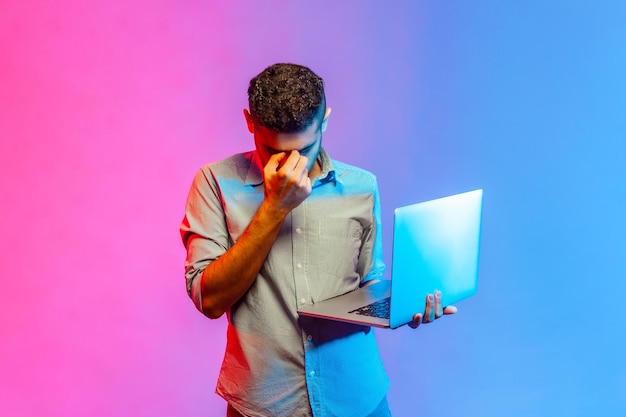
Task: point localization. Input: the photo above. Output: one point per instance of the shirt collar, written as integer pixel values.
(255, 171)
(328, 170)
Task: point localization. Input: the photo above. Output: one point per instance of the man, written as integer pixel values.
(282, 226)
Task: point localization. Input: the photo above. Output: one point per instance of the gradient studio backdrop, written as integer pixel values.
(107, 109)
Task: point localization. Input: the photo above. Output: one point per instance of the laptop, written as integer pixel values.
(435, 247)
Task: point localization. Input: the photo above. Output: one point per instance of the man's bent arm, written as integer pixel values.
(226, 280)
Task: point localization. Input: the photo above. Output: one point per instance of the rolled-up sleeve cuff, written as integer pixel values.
(196, 292)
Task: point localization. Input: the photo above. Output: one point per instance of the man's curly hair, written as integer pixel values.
(286, 98)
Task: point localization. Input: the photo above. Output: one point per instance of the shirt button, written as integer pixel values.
(303, 301)
(309, 338)
(299, 265)
(298, 230)
(312, 373)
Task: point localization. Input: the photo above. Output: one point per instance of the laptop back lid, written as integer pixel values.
(435, 247)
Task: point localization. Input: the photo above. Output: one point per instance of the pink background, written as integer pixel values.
(108, 109)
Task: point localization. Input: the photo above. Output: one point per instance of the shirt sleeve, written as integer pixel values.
(204, 231)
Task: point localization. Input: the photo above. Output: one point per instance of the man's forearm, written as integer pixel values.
(226, 280)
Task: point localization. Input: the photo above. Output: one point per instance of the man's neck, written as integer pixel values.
(316, 170)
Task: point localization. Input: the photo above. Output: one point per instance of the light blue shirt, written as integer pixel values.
(276, 363)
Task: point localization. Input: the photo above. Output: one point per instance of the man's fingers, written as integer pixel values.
(290, 164)
(305, 184)
(429, 311)
(302, 169)
(273, 163)
(449, 310)
(417, 320)
(434, 309)
(294, 169)
(438, 305)
(302, 163)
(287, 182)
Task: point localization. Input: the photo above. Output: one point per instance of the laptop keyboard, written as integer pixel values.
(378, 309)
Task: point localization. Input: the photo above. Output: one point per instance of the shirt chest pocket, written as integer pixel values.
(338, 247)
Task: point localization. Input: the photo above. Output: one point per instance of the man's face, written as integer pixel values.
(307, 143)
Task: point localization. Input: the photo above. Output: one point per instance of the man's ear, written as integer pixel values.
(249, 120)
(325, 119)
